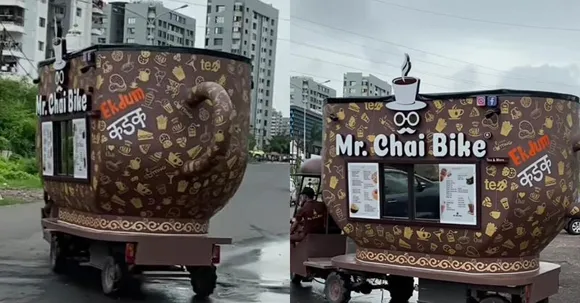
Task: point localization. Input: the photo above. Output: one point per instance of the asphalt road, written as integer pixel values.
(254, 269)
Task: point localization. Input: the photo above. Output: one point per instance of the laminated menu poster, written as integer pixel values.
(363, 190)
(80, 148)
(47, 149)
(457, 193)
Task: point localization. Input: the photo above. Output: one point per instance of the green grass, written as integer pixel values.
(33, 183)
(11, 201)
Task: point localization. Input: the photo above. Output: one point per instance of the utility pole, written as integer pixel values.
(3, 42)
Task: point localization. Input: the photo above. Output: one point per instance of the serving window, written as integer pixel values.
(65, 149)
(427, 193)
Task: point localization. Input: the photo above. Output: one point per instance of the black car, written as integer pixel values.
(396, 196)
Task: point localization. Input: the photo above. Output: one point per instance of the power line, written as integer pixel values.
(355, 69)
(378, 62)
(5, 31)
(437, 64)
(398, 45)
(551, 28)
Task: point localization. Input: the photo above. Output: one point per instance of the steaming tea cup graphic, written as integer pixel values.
(405, 90)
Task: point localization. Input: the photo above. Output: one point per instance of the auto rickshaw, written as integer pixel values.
(310, 258)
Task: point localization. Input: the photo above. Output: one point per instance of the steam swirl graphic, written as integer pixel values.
(406, 68)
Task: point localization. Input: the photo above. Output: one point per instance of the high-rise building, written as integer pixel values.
(279, 125)
(248, 28)
(306, 91)
(146, 22)
(23, 26)
(78, 20)
(355, 85)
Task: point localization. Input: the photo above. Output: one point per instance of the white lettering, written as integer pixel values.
(344, 145)
(479, 148)
(380, 145)
(538, 168)
(439, 145)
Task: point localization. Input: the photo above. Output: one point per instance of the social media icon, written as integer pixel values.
(491, 101)
(480, 101)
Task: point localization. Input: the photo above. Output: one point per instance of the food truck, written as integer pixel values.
(140, 146)
(461, 190)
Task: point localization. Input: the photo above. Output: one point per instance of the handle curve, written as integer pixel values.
(573, 210)
(222, 107)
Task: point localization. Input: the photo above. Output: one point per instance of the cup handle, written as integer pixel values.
(221, 105)
(572, 212)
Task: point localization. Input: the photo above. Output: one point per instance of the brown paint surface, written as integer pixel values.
(178, 171)
(516, 222)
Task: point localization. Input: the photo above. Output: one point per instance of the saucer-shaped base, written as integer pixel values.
(133, 224)
(448, 263)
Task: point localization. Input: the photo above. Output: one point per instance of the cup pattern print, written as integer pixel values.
(170, 143)
(516, 220)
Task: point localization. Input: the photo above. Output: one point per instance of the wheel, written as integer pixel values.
(114, 276)
(494, 299)
(58, 260)
(336, 288)
(203, 280)
(296, 279)
(401, 288)
(573, 227)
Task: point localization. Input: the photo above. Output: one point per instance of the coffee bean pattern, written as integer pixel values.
(169, 149)
(517, 221)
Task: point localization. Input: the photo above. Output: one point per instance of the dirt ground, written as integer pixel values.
(17, 196)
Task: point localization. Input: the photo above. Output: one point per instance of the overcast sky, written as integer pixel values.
(449, 52)
(197, 10)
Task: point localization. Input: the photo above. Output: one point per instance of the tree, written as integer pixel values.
(251, 142)
(279, 144)
(18, 121)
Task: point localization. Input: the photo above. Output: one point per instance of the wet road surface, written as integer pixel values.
(254, 269)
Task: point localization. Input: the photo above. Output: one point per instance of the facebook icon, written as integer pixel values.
(492, 101)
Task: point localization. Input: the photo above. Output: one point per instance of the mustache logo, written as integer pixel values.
(406, 130)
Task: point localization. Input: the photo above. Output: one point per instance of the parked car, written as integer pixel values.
(573, 227)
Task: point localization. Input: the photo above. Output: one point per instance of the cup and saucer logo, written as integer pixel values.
(406, 105)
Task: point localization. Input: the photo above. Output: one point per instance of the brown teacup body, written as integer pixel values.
(516, 219)
(167, 138)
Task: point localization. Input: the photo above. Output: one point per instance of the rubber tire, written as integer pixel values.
(494, 299)
(401, 288)
(111, 288)
(569, 229)
(336, 280)
(57, 254)
(203, 280)
(296, 279)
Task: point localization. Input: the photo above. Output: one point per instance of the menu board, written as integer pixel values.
(80, 148)
(363, 190)
(47, 149)
(457, 194)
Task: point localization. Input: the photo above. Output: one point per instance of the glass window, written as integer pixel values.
(398, 199)
(63, 137)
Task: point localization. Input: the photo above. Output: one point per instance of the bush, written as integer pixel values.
(16, 170)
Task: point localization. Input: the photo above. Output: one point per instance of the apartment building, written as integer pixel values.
(79, 20)
(306, 91)
(146, 22)
(23, 26)
(357, 84)
(248, 28)
(279, 125)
